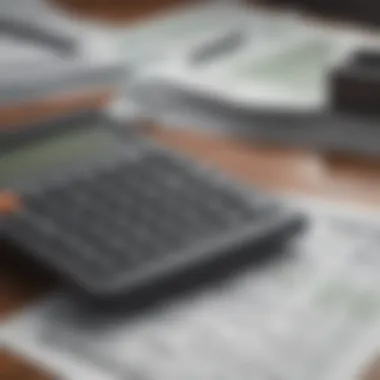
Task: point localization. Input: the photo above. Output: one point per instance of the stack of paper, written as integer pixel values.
(44, 52)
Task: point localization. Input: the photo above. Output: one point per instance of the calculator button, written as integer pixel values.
(9, 202)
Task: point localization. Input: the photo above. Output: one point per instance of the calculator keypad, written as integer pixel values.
(128, 214)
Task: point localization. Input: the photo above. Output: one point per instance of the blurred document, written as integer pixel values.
(279, 65)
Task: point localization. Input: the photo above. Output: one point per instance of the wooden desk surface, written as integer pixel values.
(333, 176)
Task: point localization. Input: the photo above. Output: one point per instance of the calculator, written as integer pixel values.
(114, 213)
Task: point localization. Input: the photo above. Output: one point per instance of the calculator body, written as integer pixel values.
(115, 214)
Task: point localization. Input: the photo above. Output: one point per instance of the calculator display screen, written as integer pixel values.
(48, 153)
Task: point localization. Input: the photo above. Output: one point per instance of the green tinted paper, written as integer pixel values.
(299, 69)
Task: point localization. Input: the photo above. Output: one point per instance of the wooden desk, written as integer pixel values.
(331, 176)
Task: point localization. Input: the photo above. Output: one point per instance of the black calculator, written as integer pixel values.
(113, 212)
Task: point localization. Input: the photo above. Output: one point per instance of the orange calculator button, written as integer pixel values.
(9, 202)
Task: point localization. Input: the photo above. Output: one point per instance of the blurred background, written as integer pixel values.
(282, 95)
